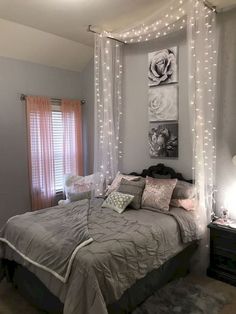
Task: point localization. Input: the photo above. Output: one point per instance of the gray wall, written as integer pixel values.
(135, 119)
(134, 128)
(226, 145)
(18, 77)
(87, 85)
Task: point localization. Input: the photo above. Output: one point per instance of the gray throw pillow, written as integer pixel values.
(73, 197)
(183, 190)
(134, 188)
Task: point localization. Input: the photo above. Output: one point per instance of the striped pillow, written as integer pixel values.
(134, 188)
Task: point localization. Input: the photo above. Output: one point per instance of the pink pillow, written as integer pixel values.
(116, 182)
(157, 193)
(187, 204)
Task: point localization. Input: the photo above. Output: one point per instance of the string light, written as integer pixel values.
(163, 24)
(108, 122)
(202, 73)
(201, 27)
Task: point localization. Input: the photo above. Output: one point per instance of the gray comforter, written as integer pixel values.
(125, 248)
(49, 238)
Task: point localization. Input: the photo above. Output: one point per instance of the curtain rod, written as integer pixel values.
(210, 6)
(23, 98)
(93, 31)
(207, 3)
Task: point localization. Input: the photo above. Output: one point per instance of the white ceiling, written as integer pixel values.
(70, 18)
(54, 32)
(29, 44)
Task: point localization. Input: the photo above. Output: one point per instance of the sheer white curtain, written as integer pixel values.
(201, 26)
(108, 63)
(169, 19)
(201, 29)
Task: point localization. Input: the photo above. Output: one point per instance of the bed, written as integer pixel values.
(132, 254)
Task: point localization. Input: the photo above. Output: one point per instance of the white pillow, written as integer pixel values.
(78, 184)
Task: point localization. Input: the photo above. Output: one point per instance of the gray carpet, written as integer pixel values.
(193, 295)
(11, 302)
(183, 297)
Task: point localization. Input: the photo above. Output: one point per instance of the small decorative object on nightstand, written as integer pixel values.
(223, 251)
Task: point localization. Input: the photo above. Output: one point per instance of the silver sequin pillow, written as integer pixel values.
(157, 193)
(118, 201)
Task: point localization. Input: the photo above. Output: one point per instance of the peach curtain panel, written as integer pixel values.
(41, 158)
(72, 123)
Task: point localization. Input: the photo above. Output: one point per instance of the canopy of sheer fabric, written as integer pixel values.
(200, 22)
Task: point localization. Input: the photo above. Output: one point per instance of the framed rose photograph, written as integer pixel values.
(163, 103)
(163, 140)
(162, 67)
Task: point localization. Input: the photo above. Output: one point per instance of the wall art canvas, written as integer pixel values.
(162, 67)
(163, 140)
(163, 103)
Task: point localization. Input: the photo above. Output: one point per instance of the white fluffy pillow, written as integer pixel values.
(78, 184)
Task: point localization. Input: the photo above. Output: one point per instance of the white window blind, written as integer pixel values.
(57, 126)
(59, 151)
(36, 151)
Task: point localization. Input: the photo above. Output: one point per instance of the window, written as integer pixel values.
(55, 146)
(57, 143)
(57, 130)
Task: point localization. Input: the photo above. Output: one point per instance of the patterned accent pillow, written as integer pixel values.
(157, 193)
(118, 201)
(134, 188)
(116, 182)
(183, 190)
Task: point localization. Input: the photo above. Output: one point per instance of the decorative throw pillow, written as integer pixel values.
(118, 201)
(187, 204)
(134, 188)
(183, 190)
(73, 197)
(82, 187)
(116, 182)
(157, 193)
(78, 184)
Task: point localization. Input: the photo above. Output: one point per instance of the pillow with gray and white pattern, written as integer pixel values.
(118, 201)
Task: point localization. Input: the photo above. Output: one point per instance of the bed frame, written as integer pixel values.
(178, 266)
(161, 171)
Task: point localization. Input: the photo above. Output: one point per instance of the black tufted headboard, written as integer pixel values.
(160, 170)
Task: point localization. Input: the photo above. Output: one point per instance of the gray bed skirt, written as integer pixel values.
(37, 294)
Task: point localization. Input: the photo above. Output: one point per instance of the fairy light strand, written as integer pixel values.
(200, 23)
(108, 100)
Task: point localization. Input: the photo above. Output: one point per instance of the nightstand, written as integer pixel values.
(222, 253)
